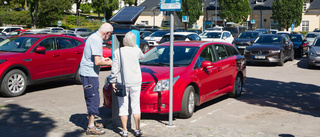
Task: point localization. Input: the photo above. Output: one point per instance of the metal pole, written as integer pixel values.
(216, 14)
(5, 3)
(79, 17)
(171, 68)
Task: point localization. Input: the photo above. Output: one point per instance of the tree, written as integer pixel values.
(109, 6)
(236, 11)
(285, 12)
(191, 8)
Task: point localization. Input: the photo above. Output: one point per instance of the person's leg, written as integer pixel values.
(124, 120)
(123, 111)
(135, 105)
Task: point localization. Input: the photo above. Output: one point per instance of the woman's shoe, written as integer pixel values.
(138, 133)
(124, 133)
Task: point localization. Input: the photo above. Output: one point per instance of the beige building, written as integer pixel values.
(259, 18)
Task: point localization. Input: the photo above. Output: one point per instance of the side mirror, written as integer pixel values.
(207, 64)
(40, 50)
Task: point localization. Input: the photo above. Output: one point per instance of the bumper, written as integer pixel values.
(314, 60)
(263, 58)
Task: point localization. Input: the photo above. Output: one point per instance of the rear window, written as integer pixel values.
(311, 35)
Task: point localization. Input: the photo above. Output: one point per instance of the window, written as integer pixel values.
(65, 43)
(49, 44)
(166, 13)
(221, 51)
(206, 54)
(259, 1)
(231, 50)
(145, 22)
(305, 25)
(165, 23)
(304, 9)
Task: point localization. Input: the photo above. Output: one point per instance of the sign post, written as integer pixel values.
(170, 5)
(185, 19)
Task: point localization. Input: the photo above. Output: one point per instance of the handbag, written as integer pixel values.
(121, 87)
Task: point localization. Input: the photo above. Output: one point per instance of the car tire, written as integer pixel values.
(281, 61)
(300, 52)
(77, 78)
(248, 62)
(14, 83)
(145, 48)
(188, 102)
(237, 87)
(291, 55)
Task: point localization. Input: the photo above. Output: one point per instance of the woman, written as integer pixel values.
(130, 56)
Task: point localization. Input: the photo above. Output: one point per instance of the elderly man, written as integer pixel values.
(89, 72)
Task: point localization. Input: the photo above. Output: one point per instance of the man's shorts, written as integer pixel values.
(91, 94)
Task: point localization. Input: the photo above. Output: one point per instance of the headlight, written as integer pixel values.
(2, 60)
(163, 85)
(274, 51)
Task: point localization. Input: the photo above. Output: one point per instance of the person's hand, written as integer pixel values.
(114, 87)
(109, 61)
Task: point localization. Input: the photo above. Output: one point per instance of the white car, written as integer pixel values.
(311, 36)
(155, 37)
(217, 36)
(7, 30)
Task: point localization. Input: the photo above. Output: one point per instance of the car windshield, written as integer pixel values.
(295, 38)
(232, 30)
(14, 33)
(17, 44)
(311, 35)
(159, 33)
(211, 35)
(248, 35)
(268, 39)
(262, 30)
(160, 56)
(317, 43)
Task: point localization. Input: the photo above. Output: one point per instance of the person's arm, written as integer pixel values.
(102, 62)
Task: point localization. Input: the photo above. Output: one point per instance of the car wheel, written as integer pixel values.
(237, 87)
(14, 83)
(300, 52)
(281, 59)
(188, 103)
(77, 78)
(291, 55)
(145, 48)
(248, 62)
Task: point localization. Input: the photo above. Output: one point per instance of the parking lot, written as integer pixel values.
(277, 101)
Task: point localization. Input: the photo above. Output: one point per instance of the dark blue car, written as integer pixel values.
(300, 44)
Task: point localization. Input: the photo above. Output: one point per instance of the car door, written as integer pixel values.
(71, 54)
(208, 78)
(47, 64)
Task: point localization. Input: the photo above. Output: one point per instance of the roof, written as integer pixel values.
(184, 43)
(150, 5)
(314, 5)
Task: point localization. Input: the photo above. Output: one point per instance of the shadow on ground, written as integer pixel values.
(17, 121)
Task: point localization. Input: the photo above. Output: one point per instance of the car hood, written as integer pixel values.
(156, 73)
(152, 38)
(213, 39)
(243, 40)
(5, 55)
(317, 49)
(264, 47)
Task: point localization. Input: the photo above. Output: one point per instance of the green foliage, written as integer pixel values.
(303, 32)
(285, 12)
(236, 11)
(86, 8)
(72, 20)
(110, 6)
(191, 8)
(67, 26)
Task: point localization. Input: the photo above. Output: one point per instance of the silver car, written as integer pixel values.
(314, 54)
(81, 31)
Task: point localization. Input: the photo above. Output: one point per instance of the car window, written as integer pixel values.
(212, 35)
(221, 51)
(206, 54)
(231, 50)
(17, 44)
(49, 44)
(65, 43)
(269, 39)
(317, 43)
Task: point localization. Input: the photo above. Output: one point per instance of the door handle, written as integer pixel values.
(78, 52)
(219, 69)
(56, 55)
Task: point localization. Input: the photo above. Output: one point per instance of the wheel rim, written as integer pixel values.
(191, 102)
(16, 83)
(238, 85)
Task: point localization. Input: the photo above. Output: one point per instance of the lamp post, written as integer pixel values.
(5, 3)
(79, 16)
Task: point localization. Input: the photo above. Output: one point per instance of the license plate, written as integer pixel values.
(259, 57)
(241, 47)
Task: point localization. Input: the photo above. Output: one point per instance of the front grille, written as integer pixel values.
(145, 85)
(257, 52)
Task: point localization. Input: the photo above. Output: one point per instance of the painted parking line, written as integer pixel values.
(195, 120)
(8, 101)
(214, 111)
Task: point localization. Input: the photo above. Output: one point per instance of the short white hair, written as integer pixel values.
(106, 27)
(130, 39)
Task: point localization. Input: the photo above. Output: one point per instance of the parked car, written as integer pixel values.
(245, 39)
(283, 32)
(155, 37)
(196, 31)
(264, 30)
(300, 44)
(7, 30)
(314, 54)
(36, 31)
(217, 36)
(54, 29)
(271, 48)
(234, 30)
(144, 34)
(30, 59)
(311, 36)
(273, 31)
(202, 71)
(81, 31)
(17, 32)
(181, 36)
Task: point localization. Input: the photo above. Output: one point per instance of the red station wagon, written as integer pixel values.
(202, 71)
(30, 59)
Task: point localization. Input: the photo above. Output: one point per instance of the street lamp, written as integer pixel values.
(5, 3)
(79, 16)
